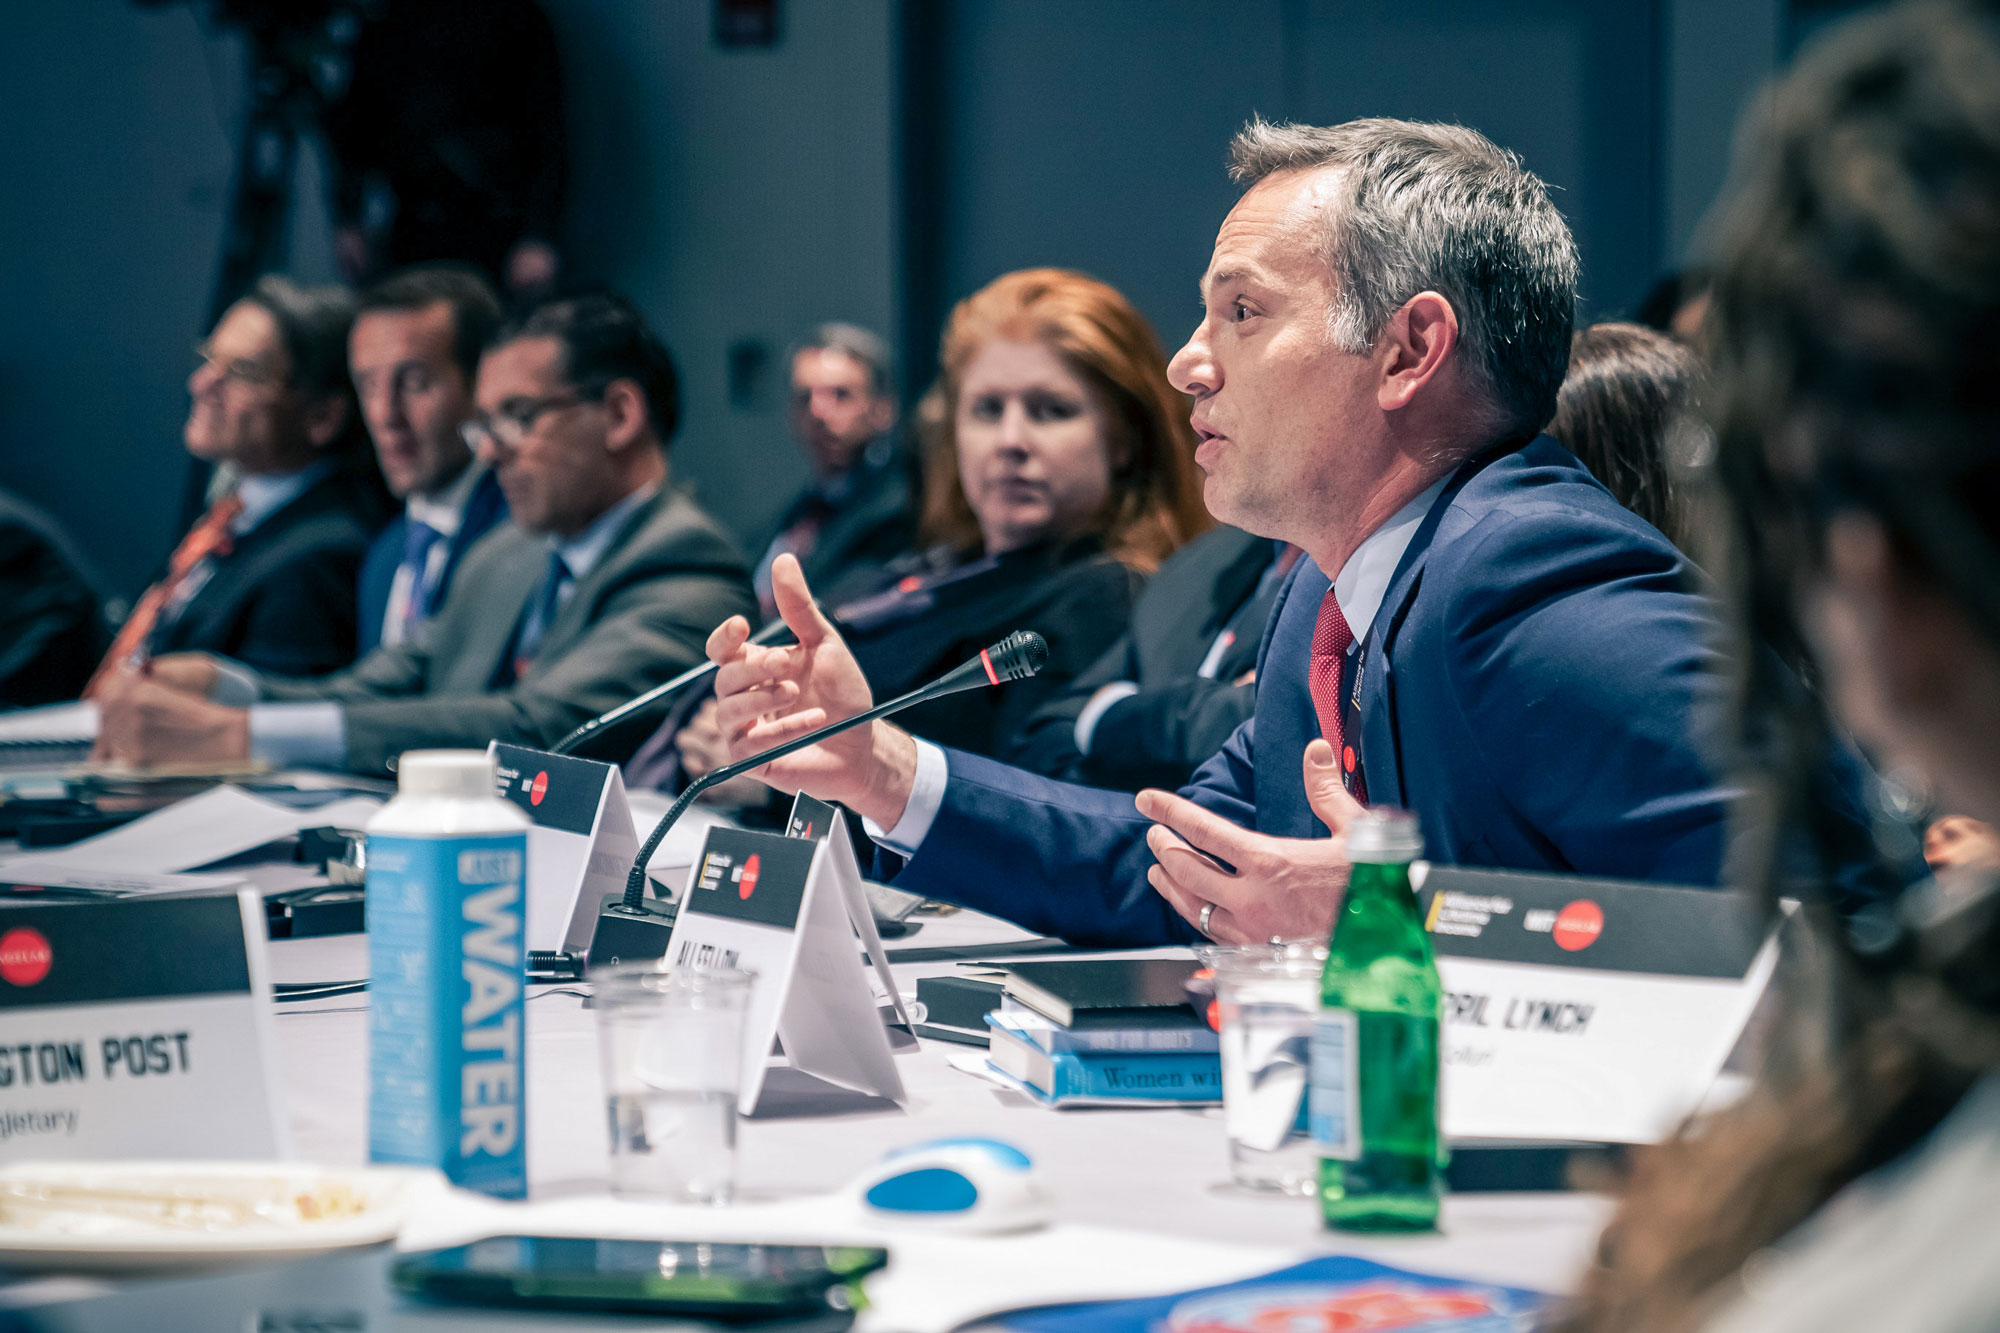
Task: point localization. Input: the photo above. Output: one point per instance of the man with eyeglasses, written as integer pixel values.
(267, 575)
(605, 583)
(415, 352)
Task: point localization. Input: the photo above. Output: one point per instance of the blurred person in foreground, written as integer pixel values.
(603, 584)
(414, 353)
(267, 575)
(1627, 392)
(855, 515)
(1856, 337)
(1056, 476)
(1387, 319)
(52, 629)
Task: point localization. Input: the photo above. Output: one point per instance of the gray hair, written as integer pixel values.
(1440, 208)
(851, 340)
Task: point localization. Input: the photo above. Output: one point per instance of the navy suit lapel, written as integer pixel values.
(1285, 718)
(1381, 746)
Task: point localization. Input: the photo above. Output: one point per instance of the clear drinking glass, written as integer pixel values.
(672, 1047)
(1268, 996)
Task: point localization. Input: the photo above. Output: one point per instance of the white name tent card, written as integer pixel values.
(783, 908)
(816, 820)
(138, 1028)
(1585, 1010)
(581, 845)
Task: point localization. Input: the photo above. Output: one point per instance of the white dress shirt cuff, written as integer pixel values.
(310, 735)
(926, 797)
(1100, 704)
(235, 685)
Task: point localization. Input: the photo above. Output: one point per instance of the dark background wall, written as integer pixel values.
(881, 161)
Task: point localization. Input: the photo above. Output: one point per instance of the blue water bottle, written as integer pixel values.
(447, 908)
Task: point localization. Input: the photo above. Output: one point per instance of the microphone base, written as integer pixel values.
(630, 935)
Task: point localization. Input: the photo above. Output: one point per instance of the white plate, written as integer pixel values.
(96, 1239)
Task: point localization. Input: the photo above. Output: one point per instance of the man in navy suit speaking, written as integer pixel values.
(1500, 647)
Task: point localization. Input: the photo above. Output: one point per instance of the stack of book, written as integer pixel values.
(1104, 1032)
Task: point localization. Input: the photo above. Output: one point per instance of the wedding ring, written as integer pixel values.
(1207, 911)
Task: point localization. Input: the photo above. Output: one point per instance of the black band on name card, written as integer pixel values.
(557, 791)
(749, 876)
(1570, 921)
(84, 953)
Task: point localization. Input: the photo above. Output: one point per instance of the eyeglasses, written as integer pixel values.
(511, 424)
(240, 369)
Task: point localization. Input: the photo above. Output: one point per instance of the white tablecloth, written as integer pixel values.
(1143, 1199)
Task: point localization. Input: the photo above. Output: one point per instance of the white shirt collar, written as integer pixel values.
(1364, 580)
(443, 511)
(581, 553)
(264, 494)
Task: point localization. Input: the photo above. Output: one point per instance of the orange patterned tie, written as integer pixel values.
(210, 537)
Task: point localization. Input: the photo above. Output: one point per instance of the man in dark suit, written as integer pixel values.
(603, 585)
(1500, 646)
(414, 352)
(1180, 679)
(856, 514)
(51, 621)
(267, 575)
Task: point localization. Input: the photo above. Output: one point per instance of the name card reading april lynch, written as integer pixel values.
(1585, 1010)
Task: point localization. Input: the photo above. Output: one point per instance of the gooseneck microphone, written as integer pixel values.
(1016, 657)
(770, 634)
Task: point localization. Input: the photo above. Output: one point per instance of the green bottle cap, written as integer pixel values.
(1384, 835)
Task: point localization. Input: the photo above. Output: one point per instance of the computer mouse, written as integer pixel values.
(979, 1186)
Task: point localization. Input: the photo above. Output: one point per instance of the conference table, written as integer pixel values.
(1143, 1203)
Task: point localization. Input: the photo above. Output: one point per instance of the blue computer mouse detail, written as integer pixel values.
(928, 1189)
(965, 1184)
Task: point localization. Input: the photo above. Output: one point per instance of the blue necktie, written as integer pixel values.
(541, 613)
(418, 539)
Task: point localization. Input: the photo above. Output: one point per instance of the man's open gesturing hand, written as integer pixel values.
(766, 696)
(1280, 888)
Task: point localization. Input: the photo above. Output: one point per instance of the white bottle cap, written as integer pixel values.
(1384, 835)
(463, 774)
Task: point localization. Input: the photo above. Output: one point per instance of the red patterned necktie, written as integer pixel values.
(209, 537)
(1331, 638)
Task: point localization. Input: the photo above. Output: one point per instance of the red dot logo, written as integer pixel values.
(538, 788)
(25, 956)
(1347, 757)
(1578, 925)
(752, 868)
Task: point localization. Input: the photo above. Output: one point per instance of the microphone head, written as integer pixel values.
(1016, 657)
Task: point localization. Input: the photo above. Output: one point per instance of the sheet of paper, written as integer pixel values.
(221, 822)
(50, 874)
(57, 722)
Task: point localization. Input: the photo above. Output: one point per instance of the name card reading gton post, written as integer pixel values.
(1584, 1010)
(137, 1029)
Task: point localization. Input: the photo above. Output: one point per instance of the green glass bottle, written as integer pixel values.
(1373, 1106)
